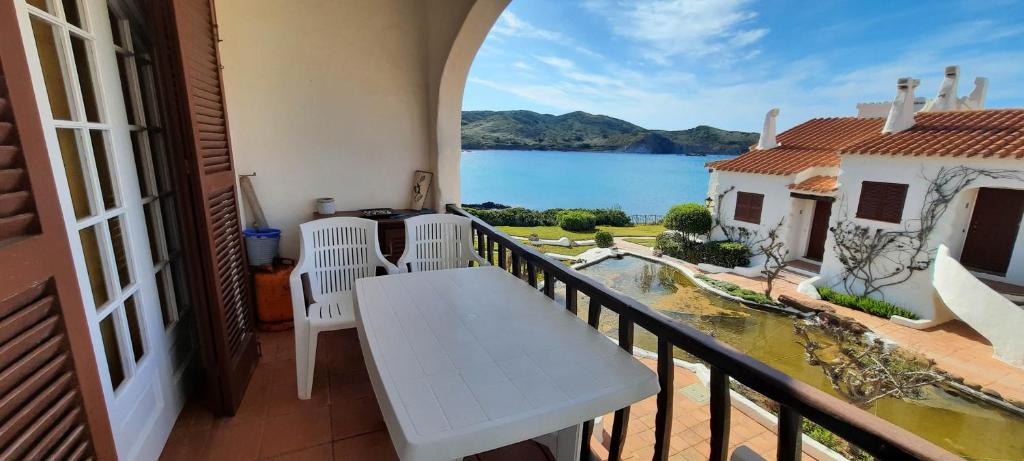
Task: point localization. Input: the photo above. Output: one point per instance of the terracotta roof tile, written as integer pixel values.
(983, 133)
(815, 142)
(817, 184)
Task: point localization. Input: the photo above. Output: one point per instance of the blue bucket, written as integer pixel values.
(261, 245)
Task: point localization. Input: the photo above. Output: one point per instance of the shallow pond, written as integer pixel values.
(957, 423)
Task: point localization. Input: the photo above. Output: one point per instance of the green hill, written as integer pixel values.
(580, 131)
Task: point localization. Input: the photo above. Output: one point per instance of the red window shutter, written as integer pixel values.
(882, 201)
(748, 207)
(51, 399)
(187, 37)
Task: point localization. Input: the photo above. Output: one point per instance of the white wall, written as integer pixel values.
(334, 99)
(777, 205)
(917, 294)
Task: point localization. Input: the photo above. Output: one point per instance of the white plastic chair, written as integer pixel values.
(438, 241)
(335, 252)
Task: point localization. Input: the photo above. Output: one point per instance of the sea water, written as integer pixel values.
(637, 183)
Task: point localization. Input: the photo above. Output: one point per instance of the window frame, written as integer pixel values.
(885, 209)
(744, 209)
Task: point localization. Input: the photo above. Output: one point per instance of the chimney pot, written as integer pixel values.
(901, 114)
(767, 139)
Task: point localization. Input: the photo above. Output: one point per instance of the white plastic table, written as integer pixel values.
(467, 360)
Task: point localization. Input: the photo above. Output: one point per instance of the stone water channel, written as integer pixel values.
(959, 423)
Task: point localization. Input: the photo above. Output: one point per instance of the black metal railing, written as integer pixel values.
(796, 400)
(645, 218)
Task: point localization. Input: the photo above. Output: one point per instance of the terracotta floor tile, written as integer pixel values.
(324, 452)
(354, 417)
(186, 444)
(284, 399)
(296, 431)
(235, 442)
(371, 446)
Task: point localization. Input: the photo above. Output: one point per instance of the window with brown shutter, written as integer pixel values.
(748, 207)
(51, 398)
(188, 61)
(882, 201)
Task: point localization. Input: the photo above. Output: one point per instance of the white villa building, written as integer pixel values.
(919, 205)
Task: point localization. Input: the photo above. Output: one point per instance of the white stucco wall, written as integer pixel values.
(777, 205)
(917, 294)
(337, 98)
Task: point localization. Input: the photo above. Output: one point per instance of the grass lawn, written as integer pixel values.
(644, 242)
(555, 232)
(574, 251)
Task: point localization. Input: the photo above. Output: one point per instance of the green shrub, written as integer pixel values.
(872, 306)
(688, 218)
(577, 221)
(603, 239)
(719, 253)
(611, 217)
(525, 217)
(739, 292)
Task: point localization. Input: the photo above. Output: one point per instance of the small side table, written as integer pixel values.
(390, 229)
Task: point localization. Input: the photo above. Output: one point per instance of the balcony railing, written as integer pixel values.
(796, 400)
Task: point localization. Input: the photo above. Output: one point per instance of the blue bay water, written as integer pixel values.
(637, 183)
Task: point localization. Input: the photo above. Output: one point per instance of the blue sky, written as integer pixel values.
(674, 64)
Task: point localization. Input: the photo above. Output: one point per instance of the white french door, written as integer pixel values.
(94, 83)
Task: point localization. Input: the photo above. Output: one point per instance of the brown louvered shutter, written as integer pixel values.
(187, 39)
(882, 201)
(51, 400)
(748, 207)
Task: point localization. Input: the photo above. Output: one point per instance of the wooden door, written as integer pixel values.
(819, 230)
(51, 396)
(187, 55)
(993, 230)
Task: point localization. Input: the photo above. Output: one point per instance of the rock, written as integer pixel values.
(974, 386)
(806, 305)
(992, 393)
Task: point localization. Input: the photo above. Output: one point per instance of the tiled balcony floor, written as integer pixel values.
(343, 422)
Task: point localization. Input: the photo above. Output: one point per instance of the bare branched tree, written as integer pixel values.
(874, 258)
(776, 255)
(771, 245)
(865, 371)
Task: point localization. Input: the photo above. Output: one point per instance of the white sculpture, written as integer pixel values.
(901, 114)
(946, 99)
(976, 100)
(767, 139)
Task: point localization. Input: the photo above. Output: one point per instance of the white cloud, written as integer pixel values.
(556, 62)
(511, 25)
(691, 28)
(522, 65)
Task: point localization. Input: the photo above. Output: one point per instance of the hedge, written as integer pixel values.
(875, 307)
(577, 221)
(688, 218)
(525, 217)
(720, 252)
(738, 291)
(604, 239)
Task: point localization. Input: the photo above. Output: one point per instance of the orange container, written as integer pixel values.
(274, 298)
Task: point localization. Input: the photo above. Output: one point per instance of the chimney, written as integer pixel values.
(976, 100)
(947, 99)
(767, 139)
(901, 114)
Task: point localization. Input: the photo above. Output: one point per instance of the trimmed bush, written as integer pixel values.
(689, 218)
(739, 292)
(720, 253)
(872, 306)
(611, 217)
(604, 239)
(525, 217)
(577, 221)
